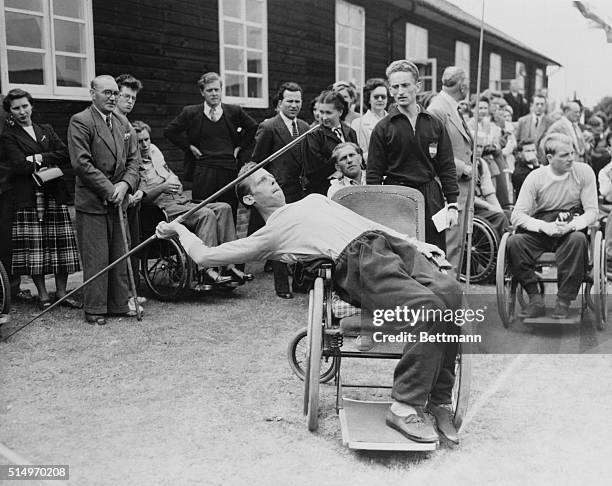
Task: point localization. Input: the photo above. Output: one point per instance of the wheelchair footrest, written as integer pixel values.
(573, 318)
(363, 427)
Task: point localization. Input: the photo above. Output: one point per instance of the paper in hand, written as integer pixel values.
(440, 220)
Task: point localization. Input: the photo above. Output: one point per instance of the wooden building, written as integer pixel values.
(53, 48)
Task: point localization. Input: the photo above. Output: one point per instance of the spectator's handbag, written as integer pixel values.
(47, 174)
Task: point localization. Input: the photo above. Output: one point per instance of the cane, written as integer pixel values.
(126, 246)
(182, 217)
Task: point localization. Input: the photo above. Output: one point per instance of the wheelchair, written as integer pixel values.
(168, 272)
(485, 244)
(594, 287)
(5, 291)
(316, 353)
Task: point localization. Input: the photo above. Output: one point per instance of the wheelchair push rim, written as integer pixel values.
(166, 269)
(506, 285)
(483, 250)
(5, 291)
(313, 365)
(297, 354)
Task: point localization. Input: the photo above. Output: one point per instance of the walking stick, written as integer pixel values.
(468, 215)
(130, 269)
(182, 217)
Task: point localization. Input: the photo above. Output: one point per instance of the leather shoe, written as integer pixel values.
(416, 426)
(535, 309)
(95, 319)
(444, 421)
(239, 276)
(561, 311)
(213, 277)
(285, 295)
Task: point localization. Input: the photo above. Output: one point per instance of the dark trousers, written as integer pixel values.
(207, 180)
(377, 271)
(7, 211)
(133, 221)
(572, 260)
(100, 243)
(498, 221)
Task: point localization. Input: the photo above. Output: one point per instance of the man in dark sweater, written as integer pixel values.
(217, 139)
(410, 147)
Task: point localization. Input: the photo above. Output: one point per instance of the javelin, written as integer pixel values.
(182, 217)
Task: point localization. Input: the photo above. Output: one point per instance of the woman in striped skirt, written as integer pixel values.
(43, 238)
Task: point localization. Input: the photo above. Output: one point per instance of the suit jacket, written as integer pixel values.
(185, 130)
(101, 159)
(563, 125)
(18, 145)
(460, 138)
(520, 106)
(318, 149)
(526, 129)
(272, 135)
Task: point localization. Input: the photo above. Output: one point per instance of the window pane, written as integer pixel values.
(68, 8)
(343, 73)
(231, 8)
(357, 38)
(25, 67)
(254, 11)
(344, 34)
(69, 36)
(33, 5)
(70, 71)
(234, 85)
(254, 37)
(234, 59)
(356, 77)
(233, 33)
(342, 14)
(23, 30)
(254, 88)
(355, 18)
(356, 60)
(254, 62)
(343, 55)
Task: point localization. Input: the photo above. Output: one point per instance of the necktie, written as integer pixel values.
(294, 130)
(579, 139)
(466, 128)
(213, 114)
(537, 121)
(109, 123)
(338, 133)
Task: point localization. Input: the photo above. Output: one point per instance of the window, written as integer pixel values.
(520, 75)
(495, 71)
(539, 80)
(462, 56)
(350, 42)
(243, 30)
(416, 42)
(46, 47)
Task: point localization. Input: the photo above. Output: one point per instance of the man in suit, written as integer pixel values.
(533, 125)
(516, 100)
(568, 125)
(273, 134)
(455, 87)
(216, 139)
(104, 154)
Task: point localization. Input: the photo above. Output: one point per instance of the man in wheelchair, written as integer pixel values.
(375, 268)
(214, 223)
(556, 203)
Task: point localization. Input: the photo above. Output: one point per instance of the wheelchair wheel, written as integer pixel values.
(598, 291)
(463, 381)
(297, 353)
(166, 269)
(484, 249)
(5, 291)
(506, 285)
(313, 363)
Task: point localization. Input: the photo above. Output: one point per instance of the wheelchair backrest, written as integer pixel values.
(400, 208)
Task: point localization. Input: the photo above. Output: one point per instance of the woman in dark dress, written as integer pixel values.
(43, 237)
(319, 144)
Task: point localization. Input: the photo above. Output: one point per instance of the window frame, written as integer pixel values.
(539, 79)
(245, 101)
(49, 90)
(498, 79)
(520, 74)
(350, 5)
(417, 28)
(459, 44)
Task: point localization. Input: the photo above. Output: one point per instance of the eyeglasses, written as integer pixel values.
(379, 97)
(128, 96)
(108, 93)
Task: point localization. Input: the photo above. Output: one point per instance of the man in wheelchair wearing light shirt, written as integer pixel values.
(375, 268)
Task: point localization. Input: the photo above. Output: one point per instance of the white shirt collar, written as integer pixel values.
(101, 114)
(218, 110)
(288, 121)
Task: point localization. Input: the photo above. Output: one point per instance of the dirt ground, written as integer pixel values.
(200, 393)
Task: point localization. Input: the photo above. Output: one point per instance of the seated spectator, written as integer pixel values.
(600, 144)
(526, 162)
(213, 223)
(556, 202)
(348, 160)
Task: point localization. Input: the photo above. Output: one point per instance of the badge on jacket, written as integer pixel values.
(433, 149)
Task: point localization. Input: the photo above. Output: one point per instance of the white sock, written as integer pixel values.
(402, 409)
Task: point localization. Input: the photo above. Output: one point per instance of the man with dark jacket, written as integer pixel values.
(216, 139)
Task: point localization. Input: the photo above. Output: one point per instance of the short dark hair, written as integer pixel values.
(538, 96)
(522, 143)
(139, 126)
(13, 95)
(243, 187)
(208, 78)
(369, 86)
(334, 98)
(128, 81)
(287, 86)
(485, 99)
